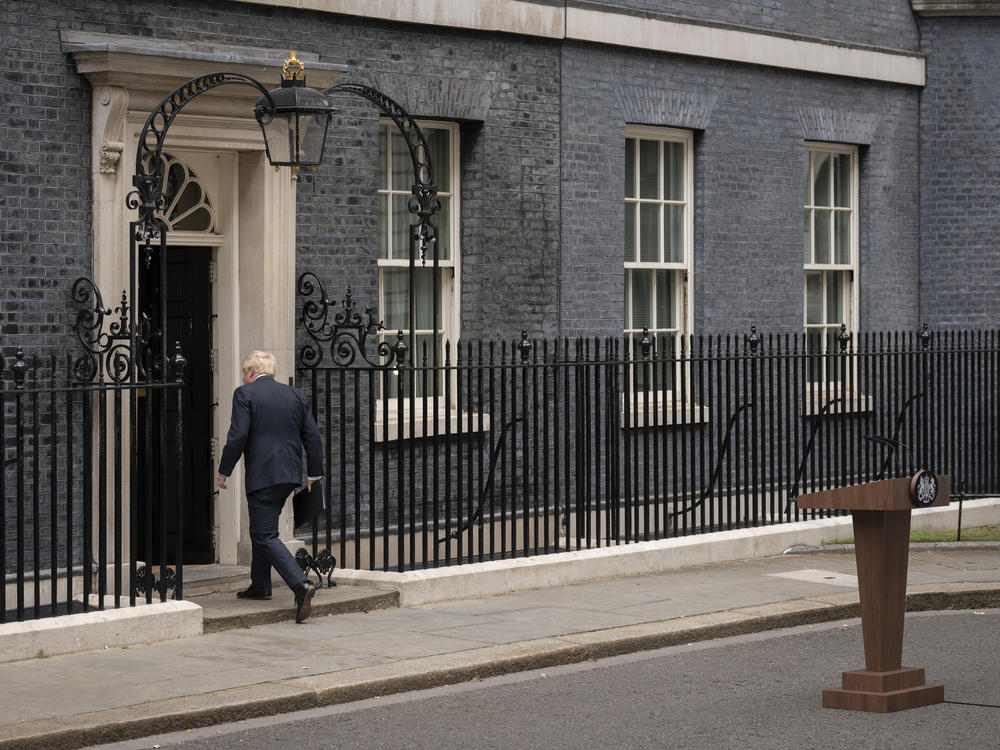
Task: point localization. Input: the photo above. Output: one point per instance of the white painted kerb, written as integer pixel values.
(86, 631)
(504, 576)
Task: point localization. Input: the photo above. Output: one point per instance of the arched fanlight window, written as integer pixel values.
(186, 205)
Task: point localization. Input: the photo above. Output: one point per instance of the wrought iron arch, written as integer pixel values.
(147, 196)
(424, 202)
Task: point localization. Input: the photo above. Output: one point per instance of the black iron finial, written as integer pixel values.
(524, 346)
(20, 369)
(401, 348)
(178, 362)
(925, 336)
(753, 340)
(844, 338)
(645, 342)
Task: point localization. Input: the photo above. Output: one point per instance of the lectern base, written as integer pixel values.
(883, 692)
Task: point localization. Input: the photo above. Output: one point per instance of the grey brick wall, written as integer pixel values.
(750, 126)
(960, 173)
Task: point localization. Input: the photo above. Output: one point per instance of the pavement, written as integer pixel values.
(248, 667)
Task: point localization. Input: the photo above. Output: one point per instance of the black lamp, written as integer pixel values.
(294, 120)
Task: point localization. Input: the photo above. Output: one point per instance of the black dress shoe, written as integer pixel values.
(303, 600)
(252, 593)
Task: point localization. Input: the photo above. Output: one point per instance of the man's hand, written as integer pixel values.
(220, 481)
(309, 485)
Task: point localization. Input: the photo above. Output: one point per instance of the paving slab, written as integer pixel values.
(73, 700)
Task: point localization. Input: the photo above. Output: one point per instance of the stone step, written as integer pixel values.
(223, 611)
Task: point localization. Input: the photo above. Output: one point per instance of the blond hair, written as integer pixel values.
(259, 362)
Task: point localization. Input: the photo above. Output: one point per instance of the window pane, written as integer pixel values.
(807, 180)
(395, 305)
(842, 180)
(402, 164)
(642, 293)
(401, 220)
(437, 139)
(383, 158)
(649, 156)
(842, 237)
(630, 167)
(834, 297)
(396, 298)
(814, 297)
(665, 295)
(630, 232)
(649, 233)
(673, 171)
(199, 220)
(822, 237)
(383, 226)
(821, 181)
(389, 379)
(443, 223)
(807, 234)
(674, 236)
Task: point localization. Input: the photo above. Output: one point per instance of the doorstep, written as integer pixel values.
(214, 587)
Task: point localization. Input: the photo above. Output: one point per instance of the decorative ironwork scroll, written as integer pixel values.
(146, 581)
(106, 335)
(346, 331)
(323, 564)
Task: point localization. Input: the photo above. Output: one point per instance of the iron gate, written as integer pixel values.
(93, 461)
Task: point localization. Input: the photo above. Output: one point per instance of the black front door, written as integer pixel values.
(189, 321)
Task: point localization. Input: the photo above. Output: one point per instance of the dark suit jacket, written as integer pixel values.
(270, 426)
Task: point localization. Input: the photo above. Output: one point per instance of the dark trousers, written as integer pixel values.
(268, 551)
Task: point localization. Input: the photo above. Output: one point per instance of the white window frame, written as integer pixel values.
(825, 389)
(662, 409)
(851, 295)
(450, 313)
(450, 268)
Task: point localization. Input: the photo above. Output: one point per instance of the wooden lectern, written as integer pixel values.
(881, 512)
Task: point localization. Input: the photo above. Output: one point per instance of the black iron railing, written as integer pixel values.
(531, 447)
(88, 505)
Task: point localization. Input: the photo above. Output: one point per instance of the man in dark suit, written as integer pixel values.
(271, 424)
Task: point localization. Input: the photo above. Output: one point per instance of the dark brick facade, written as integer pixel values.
(542, 141)
(750, 126)
(960, 173)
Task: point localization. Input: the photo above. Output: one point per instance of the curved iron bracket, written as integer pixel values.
(723, 451)
(424, 202)
(893, 443)
(794, 493)
(477, 514)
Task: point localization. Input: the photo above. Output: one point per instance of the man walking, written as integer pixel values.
(271, 424)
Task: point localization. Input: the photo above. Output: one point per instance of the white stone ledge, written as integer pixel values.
(605, 26)
(86, 631)
(740, 46)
